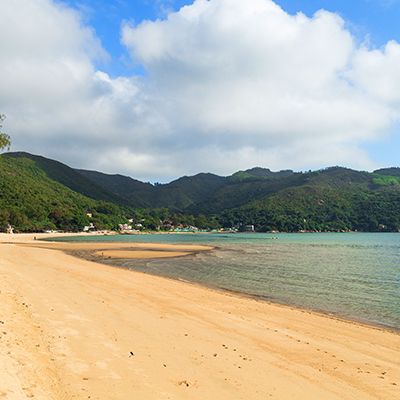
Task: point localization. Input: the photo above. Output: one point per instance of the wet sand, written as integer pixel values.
(74, 329)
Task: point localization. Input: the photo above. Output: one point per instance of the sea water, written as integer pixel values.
(352, 275)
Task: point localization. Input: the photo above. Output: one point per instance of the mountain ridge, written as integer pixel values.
(334, 198)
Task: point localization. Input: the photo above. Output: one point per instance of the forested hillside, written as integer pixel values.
(331, 199)
(37, 193)
(31, 201)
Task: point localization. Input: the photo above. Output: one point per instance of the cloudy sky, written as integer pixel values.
(159, 89)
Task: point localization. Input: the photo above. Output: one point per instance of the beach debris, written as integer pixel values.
(165, 365)
(215, 354)
(184, 383)
(131, 354)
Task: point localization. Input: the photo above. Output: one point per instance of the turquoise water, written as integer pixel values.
(353, 275)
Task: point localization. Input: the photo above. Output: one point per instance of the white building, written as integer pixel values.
(124, 227)
(89, 228)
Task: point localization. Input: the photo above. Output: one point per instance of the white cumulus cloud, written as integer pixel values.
(227, 84)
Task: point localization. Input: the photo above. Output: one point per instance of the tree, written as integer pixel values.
(5, 140)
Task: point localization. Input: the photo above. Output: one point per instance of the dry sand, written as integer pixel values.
(74, 329)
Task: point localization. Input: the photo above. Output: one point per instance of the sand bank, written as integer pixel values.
(98, 251)
(74, 329)
(139, 254)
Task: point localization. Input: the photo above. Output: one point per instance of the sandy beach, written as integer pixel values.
(74, 329)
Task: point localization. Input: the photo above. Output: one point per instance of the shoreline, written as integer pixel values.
(259, 298)
(269, 300)
(93, 330)
(187, 250)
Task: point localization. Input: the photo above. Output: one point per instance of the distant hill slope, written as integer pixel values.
(259, 173)
(330, 199)
(125, 189)
(185, 193)
(68, 177)
(32, 201)
(394, 171)
(202, 193)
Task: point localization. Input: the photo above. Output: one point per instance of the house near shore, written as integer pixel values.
(10, 229)
(124, 227)
(89, 228)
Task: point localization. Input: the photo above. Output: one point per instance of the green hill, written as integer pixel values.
(37, 193)
(177, 195)
(202, 193)
(394, 171)
(125, 189)
(332, 199)
(68, 177)
(259, 173)
(30, 200)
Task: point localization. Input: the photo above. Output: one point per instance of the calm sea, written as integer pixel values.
(353, 275)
